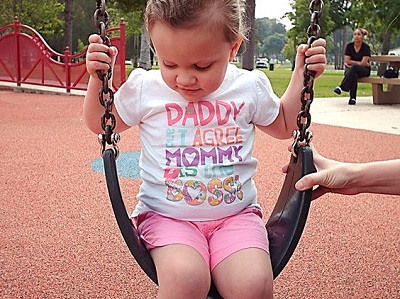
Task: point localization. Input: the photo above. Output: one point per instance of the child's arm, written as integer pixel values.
(98, 57)
(286, 121)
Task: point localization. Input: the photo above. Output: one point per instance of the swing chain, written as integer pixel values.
(303, 136)
(108, 139)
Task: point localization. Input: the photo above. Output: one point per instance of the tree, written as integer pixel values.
(288, 50)
(265, 29)
(339, 14)
(45, 20)
(380, 17)
(273, 45)
(137, 9)
(83, 22)
(248, 55)
(79, 24)
(133, 18)
(300, 19)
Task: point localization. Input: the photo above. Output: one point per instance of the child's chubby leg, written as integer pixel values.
(245, 274)
(240, 261)
(180, 254)
(182, 272)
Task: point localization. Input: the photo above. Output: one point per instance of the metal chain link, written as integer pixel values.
(108, 139)
(303, 136)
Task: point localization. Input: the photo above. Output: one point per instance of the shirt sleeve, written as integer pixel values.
(128, 97)
(347, 51)
(267, 102)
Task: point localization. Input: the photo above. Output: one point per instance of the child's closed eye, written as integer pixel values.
(202, 67)
(169, 65)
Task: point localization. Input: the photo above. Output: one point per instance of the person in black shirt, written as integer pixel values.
(356, 61)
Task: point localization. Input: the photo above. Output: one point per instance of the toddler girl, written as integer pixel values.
(197, 211)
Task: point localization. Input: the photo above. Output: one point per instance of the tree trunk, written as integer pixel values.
(248, 55)
(345, 38)
(136, 50)
(294, 53)
(144, 61)
(336, 43)
(68, 24)
(385, 50)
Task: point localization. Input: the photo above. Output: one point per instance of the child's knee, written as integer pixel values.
(254, 288)
(245, 274)
(181, 265)
(259, 286)
(184, 280)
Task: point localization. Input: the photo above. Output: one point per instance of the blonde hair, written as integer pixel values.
(190, 13)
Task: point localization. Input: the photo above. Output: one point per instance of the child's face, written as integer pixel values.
(192, 61)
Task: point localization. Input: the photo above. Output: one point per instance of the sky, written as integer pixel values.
(273, 9)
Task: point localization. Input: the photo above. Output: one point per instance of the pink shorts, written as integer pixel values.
(214, 240)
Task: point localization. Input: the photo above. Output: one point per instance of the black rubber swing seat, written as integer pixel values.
(285, 225)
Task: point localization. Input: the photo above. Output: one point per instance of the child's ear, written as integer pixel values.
(235, 49)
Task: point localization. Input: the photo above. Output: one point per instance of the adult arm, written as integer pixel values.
(349, 62)
(352, 178)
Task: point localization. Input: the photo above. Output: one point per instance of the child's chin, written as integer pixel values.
(192, 97)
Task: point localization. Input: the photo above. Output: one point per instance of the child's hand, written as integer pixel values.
(315, 57)
(99, 56)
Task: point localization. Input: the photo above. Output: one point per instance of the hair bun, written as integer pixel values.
(364, 31)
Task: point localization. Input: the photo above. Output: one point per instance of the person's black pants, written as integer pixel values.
(351, 74)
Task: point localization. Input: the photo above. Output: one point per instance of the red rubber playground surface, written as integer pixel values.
(59, 238)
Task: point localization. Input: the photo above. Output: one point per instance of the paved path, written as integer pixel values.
(364, 115)
(59, 238)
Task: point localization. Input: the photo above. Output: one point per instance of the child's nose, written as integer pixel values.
(185, 79)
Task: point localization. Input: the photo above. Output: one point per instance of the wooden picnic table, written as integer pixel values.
(380, 95)
(392, 60)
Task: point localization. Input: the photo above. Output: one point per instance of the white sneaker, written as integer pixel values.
(337, 90)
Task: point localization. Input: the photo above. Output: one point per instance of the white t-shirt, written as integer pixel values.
(196, 160)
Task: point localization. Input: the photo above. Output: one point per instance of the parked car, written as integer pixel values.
(261, 63)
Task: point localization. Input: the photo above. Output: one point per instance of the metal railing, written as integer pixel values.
(27, 60)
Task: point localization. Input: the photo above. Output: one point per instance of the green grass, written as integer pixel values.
(323, 86)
